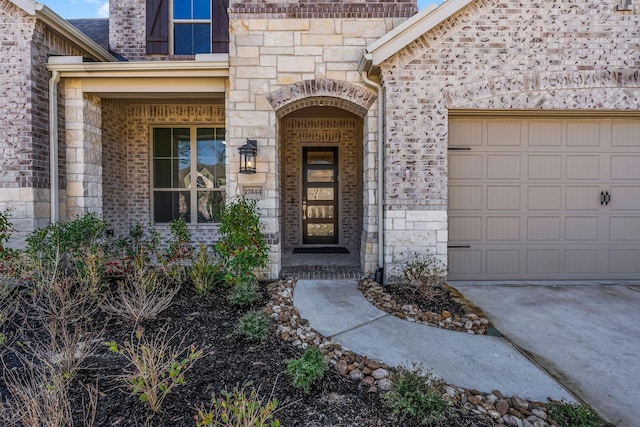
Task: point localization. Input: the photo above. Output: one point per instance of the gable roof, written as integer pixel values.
(414, 27)
(64, 28)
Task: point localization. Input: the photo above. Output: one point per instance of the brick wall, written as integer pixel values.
(324, 9)
(127, 28)
(114, 165)
(494, 54)
(140, 120)
(346, 134)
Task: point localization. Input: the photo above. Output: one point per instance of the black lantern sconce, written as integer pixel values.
(248, 154)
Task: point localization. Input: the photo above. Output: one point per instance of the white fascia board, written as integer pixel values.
(413, 28)
(29, 6)
(184, 69)
(64, 28)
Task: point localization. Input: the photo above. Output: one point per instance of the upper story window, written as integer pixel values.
(188, 174)
(187, 27)
(191, 27)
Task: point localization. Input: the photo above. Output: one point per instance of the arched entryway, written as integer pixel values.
(321, 151)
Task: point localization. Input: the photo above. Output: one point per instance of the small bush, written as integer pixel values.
(6, 228)
(309, 368)
(244, 293)
(157, 367)
(174, 260)
(254, 326)
(142, 295)
(574, 415)
(416, 395)
(426, 274)
(238, 409)
(204, 274)
(241, 247)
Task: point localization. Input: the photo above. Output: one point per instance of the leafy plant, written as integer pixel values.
(204, 274)
(574, 415)
(244, 293)
(157, 367)
(307, 369)
(254, 326)
(241, 247)
(6, 228)
(238, 409)
(74, 247)
(180, 250)
(426, 274)
(416, 395)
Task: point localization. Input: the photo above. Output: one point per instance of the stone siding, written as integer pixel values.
(315, 58)
(494, 55)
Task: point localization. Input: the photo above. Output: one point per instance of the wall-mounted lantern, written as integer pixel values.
(248, 154)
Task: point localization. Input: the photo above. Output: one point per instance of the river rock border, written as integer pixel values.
(503, 411)
(473, 322)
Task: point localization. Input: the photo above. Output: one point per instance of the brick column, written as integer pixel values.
(84, 151)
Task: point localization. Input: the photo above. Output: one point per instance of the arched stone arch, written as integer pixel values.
(559, 90)
(333, 93)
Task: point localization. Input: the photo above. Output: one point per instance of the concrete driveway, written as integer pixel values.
(587, 336)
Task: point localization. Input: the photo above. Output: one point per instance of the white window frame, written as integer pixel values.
(193, 173)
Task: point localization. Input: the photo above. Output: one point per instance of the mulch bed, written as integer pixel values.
(229, 361)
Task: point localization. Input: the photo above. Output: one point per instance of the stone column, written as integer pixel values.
(84, 151)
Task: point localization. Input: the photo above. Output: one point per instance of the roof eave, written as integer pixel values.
(60, 25)
(413, 28)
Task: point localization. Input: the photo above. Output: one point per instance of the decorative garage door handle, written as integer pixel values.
(605, 198)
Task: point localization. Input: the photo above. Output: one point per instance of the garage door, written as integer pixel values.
(536, 199)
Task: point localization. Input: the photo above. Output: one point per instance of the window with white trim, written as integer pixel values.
(188, 174)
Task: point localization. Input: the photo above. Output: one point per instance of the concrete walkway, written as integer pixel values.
(587, 335)
(337, 309)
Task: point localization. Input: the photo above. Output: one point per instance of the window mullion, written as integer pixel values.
(193, 191)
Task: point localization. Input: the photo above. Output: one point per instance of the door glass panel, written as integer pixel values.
(319, 157)
(324, 175)
(320, 230)
(324, 212)
(211, 160)
(319, 193)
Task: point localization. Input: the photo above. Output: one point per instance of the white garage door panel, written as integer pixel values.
(525, 200)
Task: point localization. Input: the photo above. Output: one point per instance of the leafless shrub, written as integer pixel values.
(141, 296)
(61, 327)
(39, 397)
(426, 274)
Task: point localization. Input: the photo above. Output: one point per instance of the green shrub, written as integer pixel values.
(574, 415)
(241, 247)
(174, 260)
(75, 247)
(238, 409)
(6, 228)
(254, 326)
(244, 293)
(309, 368)
(416, 395)
(204, 274)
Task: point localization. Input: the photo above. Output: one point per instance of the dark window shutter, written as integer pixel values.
(158, 26)
(220, 26)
